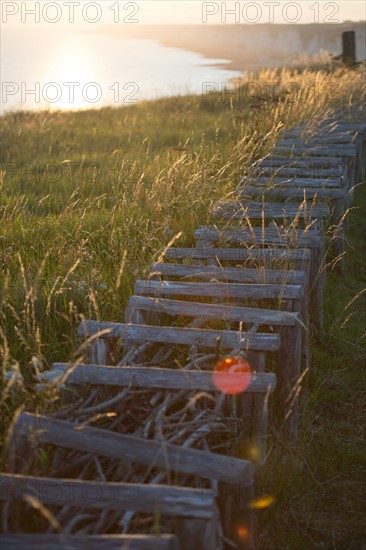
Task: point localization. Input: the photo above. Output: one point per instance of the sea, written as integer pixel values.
(68, 70)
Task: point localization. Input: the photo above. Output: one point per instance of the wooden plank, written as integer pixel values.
(260, 235)
(277, 211)
(31, 541)
(319, 143)
(259, 258)
(238, 516)
(181, 336)
(198, 534)
(269, 276)
(211, 311)
(332, 125)
(239, 254)
(158, 378)
(137, 497)
(297, 181)
(293, 171)
(226, 312)
(341, 164)
(220, 290)
(208, 311)
(352, 127)
(291, 192)
(260, 404)
(292, 238)
(97, 352)
(303, 161)
(348, 152)
(133, 449)
(288, 374)
(349, 48)
(317, 272)
(336, 137)
(317, 285)
(338, 211)
(231, 274)
(333, 150)
(337, 140)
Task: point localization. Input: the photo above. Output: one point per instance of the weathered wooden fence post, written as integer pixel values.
(349, 47)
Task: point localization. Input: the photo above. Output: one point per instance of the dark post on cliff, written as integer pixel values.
(349, 47)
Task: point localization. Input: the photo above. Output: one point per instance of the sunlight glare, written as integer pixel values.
(262, 503)
(72, 65)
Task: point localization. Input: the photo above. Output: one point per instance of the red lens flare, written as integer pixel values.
(232, 375)
(243, 532)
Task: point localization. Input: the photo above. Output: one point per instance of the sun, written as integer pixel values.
(71, 82)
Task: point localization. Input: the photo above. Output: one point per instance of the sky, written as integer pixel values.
(84, 14)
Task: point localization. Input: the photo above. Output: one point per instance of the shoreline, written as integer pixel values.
(247, 47)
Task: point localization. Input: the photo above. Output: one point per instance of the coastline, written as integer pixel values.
(247, 47)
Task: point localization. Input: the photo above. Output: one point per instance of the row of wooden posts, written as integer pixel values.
(249, 293)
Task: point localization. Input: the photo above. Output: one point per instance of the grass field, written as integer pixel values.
(88, 199)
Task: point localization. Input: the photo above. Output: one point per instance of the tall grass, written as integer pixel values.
(318, 486)
(88, 199)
